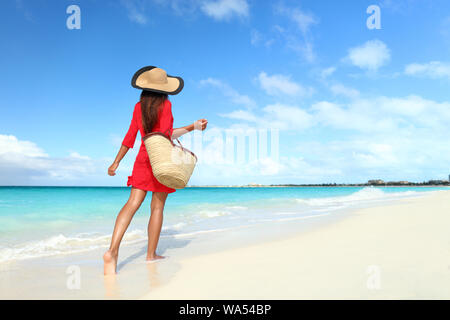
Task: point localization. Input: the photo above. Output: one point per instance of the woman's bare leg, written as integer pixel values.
(123, 220)
(155, 223)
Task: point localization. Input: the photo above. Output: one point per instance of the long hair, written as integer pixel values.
(151, 102)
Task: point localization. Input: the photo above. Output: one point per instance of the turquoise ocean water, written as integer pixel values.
(46, 221)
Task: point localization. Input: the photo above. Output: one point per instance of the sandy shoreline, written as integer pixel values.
(399, 251)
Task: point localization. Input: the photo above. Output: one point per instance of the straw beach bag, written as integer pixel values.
(172, 165)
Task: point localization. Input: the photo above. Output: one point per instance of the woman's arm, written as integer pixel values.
(127, 143)
(197, 125)
(122, 152)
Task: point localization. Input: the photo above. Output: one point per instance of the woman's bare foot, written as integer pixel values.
(110, 262)
(154, 257)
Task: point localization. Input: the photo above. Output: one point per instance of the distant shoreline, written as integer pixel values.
(324, 186)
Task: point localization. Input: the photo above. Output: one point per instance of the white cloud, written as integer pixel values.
(392, 138)
(135, 10)
(217, 167)
(340, 89)
(394, 155)
(282, 85)
(303, 21)
(287, 117)
(242, 115)
(365, 115)
(375, 154)
(255, 37)
(181, 7)
(337, 116)
(275, 116)
(433, 69)
(9, 144)
(371, 55)
(387, 115)
(307, 50)
(266, 170)
(384, 115)
(287, 169)
(22, 162)
(228, 91)
(416, 111)
(225, 9)
(76, 155)
(138, 11)
(325, 73)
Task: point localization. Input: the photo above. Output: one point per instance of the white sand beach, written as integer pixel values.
(399, 251)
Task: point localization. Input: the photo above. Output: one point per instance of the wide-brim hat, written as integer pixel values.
(156, 80)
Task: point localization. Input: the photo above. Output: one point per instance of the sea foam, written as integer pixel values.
(60, 244)
(367, 194)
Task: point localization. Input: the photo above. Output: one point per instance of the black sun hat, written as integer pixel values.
(157, 80)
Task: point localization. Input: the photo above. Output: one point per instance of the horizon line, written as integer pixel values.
(390, 183)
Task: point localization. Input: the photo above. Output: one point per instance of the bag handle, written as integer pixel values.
(181, 146)
(167, 134)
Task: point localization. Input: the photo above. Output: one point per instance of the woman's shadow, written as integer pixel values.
(168, 240)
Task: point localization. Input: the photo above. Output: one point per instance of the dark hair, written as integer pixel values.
(150, 105)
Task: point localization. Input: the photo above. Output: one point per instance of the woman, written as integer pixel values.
(152, 113)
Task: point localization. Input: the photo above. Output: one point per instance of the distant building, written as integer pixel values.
(375, 182)
(253, 184)
(437, 182)
(398, 183)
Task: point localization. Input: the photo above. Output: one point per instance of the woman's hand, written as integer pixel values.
(197, 125)
(200, 124)
(112, 169)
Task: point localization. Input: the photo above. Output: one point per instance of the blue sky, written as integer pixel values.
(350, 103)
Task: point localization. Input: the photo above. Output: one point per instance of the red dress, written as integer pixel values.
(142, 176)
